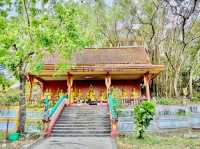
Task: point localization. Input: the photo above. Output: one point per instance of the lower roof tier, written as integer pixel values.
(98, 72)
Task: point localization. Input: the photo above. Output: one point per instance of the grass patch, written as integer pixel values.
(172, 140)
(177, 101)
(1, 135)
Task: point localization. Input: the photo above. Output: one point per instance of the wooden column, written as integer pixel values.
(108, 83)
(31, 80)
(69, 86)
(146, 83)
(42, 89)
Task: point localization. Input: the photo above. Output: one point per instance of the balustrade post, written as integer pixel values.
(146, 83)
(69, 86)
(108, 83)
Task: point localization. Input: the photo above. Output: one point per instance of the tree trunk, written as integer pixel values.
(176, 78)
(176, 84)
(22, 105)
(190, 83)
(166, 83)
(171, 85)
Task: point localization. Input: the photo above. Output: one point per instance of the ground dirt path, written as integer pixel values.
(77, 143)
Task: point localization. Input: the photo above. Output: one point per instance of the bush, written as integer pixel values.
(170, 101)
(195, 99)
(164, 101)
(144, 113)
(181, 112)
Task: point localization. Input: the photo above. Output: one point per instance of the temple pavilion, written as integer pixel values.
(95, 72)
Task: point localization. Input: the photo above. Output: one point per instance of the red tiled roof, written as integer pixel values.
(92, 56)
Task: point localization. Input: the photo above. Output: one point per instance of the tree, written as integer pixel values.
(185, 12)
(3, 82)
(159, 26)
(31, 32)
(143, 114)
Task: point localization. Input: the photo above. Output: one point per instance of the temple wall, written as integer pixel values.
(55, 87)
(98, 86)
(128, 85)
(83, 86)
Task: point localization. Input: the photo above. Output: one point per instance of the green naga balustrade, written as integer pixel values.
(112, 107)
(113, 111)
(56, 105)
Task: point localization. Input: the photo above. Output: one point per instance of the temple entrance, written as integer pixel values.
(89, 91)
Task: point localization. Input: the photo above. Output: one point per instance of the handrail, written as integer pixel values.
(55, 113)
(113, 116)
(112, 107)
(56, 106)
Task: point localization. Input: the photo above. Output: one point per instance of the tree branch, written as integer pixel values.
(28, 19)
(170, 61)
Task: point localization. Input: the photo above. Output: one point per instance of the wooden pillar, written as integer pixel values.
(69, 86)
(108, 83)
(42, 89)
(146, 83)
(31, 80)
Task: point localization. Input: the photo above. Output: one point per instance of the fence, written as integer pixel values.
(167, 117)
(10, 116)
(129, 101)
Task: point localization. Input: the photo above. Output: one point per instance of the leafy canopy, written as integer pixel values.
(143, 115)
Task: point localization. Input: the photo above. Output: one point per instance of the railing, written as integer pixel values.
(55, 107)
(54, 113)
(112, 107)
(114, 104)
(131, 101)
(113, 116)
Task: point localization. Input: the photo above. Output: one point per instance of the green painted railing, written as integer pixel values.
(112, 107)
(56, 106)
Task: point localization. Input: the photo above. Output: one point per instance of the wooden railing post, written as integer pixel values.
(146, 83)
(108, 83)
(69, 86)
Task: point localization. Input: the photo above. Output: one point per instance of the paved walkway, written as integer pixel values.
(77, 143)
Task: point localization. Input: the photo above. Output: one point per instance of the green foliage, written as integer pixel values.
(116, 93)
(196, 99)
(177, 101)
(4, 82)
(143, 115)
(164, 101)
(9, 97)
(181, 112)
(1, 135)
(164, 140)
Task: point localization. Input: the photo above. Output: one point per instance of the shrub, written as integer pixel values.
(164, 101)
(181, 112)
(144, 113)
(195, 99)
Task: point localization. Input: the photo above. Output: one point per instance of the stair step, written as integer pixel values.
(81, 128)
(83, 113)
(83, 122)
(84, 119)
(91, 113)
(81, 125)
(80, 109)
(80, 135)
(81, 131)
(78, 121)
(87, 107)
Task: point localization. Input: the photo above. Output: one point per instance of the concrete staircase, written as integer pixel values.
(83, 121)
